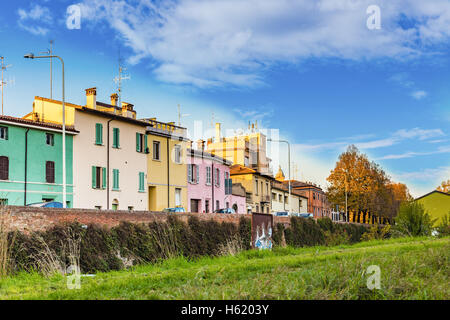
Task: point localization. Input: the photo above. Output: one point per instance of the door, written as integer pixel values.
(194, 205)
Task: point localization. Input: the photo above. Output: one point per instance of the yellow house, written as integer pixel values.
(436, 204)
(166, 163)
(257, 186)
(247, 149)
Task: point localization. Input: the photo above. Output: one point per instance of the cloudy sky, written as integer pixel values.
(313, 70)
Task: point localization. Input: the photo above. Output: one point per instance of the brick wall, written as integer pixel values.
(27, 219)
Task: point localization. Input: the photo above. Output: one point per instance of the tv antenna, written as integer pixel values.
(180, 115)
(4, 67)
(118, 80)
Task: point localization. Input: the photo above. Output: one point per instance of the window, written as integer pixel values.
(207, 206)
(314, 196)
(98, 207)
(256, 187)
(274, 196)
(208, 175)
(227, 205)
(130, 208)
(116, 138)
(50, 172)
(193, 173)
(217, 178)
(280, 198)
(141, 182)
(115, 179)
(141, 143)
(228, 183)
(3, 133)
(217, 204)
(286, 199)
(98, 134)
(50, 139)
(98, 178)
(177, 197)
(4, 168)
(156, 147)
(3, 202)
(177, 154)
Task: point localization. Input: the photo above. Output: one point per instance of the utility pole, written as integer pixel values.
(3, 82)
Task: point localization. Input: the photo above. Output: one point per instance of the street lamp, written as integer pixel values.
(289, 168)
(32, 56)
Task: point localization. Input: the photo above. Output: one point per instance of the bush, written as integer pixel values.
(376, 233)
(443, 227)
(412, 220)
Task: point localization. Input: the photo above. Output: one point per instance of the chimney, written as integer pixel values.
(201, 144)
(114, 99)
(91, 98)
(217, 132)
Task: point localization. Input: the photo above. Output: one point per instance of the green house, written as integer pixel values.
(31, 162)
(436, 203)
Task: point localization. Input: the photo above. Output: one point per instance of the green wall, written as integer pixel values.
(436, 204)
(38, 153)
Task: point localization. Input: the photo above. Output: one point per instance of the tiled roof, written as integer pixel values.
(37, 123)
(240, 169)
(207, 155)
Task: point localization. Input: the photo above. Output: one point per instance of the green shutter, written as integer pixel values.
(116, 140)
(104, 177)
(141, 181)
(94, 177)
(226, 186)
(138, 141)
(145, 143)
(116, 179)
(98, 133)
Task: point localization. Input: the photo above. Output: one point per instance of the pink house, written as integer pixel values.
(209, 184)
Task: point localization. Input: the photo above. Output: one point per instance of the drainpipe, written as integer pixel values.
(212, 184)
(107, 163)
(168, 173)
(26, 164)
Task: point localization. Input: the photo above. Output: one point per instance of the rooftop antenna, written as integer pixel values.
(295, 170)
(181, 115)
(118, 80)
(3, 69)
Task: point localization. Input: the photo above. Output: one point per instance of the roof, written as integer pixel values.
(284, 187)
(302, 185)
(425, 195)
(207, 155)
(43, 125)
(240, 169)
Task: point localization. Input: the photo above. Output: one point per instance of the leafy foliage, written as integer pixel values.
(412, 220)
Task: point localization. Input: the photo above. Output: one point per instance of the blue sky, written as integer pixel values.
(311, 69)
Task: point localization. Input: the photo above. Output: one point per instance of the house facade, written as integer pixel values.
(31, 168)
(209, 182)
(109, 153)
(257, 186)
(318, 204)
(166, 165)
(436, 204)
(297, 203)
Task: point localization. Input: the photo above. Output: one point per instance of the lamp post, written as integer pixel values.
(32, 56)
(289, 168)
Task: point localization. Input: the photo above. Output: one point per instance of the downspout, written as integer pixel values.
(107, 164)
(168, 174)
(212, 184)
(26, 164)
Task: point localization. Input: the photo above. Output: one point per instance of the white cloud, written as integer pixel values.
(404, 155)
(215, 42)
(30, 20)
(416, 180)
(419, 94)
(421, 134)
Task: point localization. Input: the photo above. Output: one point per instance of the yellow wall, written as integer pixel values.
(158, 174)
(51, 111)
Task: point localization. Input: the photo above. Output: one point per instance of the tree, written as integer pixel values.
(444, 187)
(368, 187)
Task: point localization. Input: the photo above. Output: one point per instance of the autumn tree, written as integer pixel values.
(444, 187)
(366, 184)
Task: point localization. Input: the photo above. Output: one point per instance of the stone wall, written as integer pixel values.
(28, 219)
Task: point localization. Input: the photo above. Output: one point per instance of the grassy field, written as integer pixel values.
(415, 268)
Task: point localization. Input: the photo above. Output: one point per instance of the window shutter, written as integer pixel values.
(145, 143)
(104, 177)
(94, 177)
(197, 168)
(6, 133)
(98, 133)
(138, 142)
(4, 168)
(189, 172)
(226, 186)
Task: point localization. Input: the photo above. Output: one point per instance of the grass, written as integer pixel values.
(411, 268)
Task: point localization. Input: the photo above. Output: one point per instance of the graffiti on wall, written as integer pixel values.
(262, 231)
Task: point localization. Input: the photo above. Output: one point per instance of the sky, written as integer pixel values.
(322, 74)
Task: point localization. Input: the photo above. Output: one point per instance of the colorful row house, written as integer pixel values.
(31, 160)
(210, 187)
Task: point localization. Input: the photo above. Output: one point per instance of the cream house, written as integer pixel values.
(109, 153)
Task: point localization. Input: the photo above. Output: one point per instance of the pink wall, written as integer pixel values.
(202, 191)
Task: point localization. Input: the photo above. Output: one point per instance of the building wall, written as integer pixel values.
(260, 201)
(283, 203)
(164, 175)
(38, 153)
(202, 191)
(317, 202)
(436, 204)
(238, 202)
(126, 159)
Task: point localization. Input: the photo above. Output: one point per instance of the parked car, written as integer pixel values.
(282, 214)
(176, 209)
(226, 210)
(306, 215)
(52, 204)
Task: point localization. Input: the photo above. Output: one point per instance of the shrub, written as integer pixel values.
(443, 227)
(412, 220)
(376, 233)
